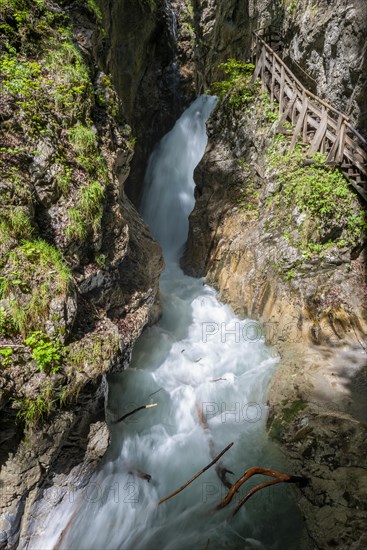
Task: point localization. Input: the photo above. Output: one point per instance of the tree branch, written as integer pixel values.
(197, 475)
(134, 411)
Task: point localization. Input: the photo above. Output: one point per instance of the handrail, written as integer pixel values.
(323, 127)
(310, 94)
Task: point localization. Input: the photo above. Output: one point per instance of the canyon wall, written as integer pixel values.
(79, 268)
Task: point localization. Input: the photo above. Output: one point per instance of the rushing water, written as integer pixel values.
(198, 360)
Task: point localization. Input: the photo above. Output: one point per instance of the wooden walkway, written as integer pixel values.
(316, 123)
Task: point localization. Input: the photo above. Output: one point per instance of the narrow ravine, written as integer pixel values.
(199, 357)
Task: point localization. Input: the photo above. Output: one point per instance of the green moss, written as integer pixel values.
(291, 5)
(7, 324)
(69, 82)
(6, 356)
(64, 178)
(248, 200)
(94, 353)
(101, 260)
(20, 77)
(276, 430)
(288, 414)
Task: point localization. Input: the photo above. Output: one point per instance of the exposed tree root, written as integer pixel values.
(279, 478)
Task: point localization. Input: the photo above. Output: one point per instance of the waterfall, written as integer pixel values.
(168, 196)
(200, 359)
(172, 19)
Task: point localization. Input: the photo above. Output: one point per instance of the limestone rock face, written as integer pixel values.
(311, 311)
(325, 40)
(53, 430)
(138, 52)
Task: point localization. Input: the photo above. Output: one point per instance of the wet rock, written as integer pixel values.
(307, 310)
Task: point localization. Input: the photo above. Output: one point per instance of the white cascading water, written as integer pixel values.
(199, 357)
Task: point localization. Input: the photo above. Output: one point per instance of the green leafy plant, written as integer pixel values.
(101, 260)
(236, 84)
(7, 324)
(6, 356)
(48, 354)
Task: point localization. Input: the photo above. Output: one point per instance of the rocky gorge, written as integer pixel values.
(130, 69)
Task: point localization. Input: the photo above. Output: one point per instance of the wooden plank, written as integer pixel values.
(357, 134)
(332, 134)
(300, 120)
(353, 148)
(304, 130)
(257, 68)
(256, 72)
(320, 133)
(359, 189)
(340, 154)
(294, 113)
(281, 90)
(272, 83)
(334, 147)
(263, 62)
(285, 115)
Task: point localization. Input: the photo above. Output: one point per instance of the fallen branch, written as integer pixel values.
(219, 468)
(135, 411)
(279, 478)
(196, 475)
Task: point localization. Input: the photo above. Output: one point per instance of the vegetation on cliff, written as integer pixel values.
(311, 205)
(55, 185)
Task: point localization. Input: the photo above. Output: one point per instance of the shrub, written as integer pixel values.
(237, 83)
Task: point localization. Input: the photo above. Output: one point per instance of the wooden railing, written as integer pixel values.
(319, 126)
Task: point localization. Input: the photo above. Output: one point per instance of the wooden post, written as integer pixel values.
(320, 132)
(300, 120)
(304, 131)
(272, 83)
(263, 62)
(257, 63)
(285, 114)
(340, 154)
(332, 156)
(281, 91)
